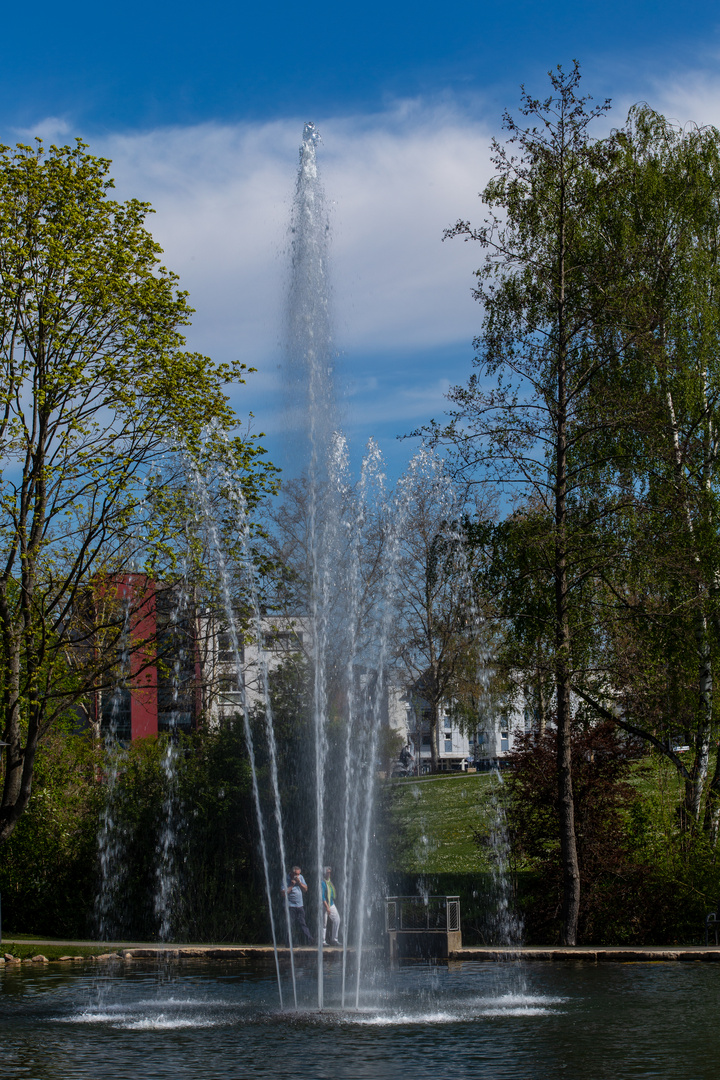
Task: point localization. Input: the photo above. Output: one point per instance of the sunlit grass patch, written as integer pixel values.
(439, 816)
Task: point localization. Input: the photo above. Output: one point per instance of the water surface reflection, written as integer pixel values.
(524, 1021)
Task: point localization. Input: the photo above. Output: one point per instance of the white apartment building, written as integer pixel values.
(406, 713)
(484, 747)
(231, 675)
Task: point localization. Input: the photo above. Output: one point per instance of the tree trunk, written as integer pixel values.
(695, 788)
(566, 805)
(566, 810)
(541, 712)
(11, 806)
(712, 805)
(434, 737)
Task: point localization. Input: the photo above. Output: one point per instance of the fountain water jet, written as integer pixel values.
(349, 621)
(339, 653)
(111, 838)
(508, 926)
(202, 493)
(166, 869)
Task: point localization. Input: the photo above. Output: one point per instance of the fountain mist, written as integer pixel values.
(111, 834)
(166, 868)
(346, 611)
(348, 628)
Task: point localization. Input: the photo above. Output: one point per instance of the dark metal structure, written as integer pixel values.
(422, 926)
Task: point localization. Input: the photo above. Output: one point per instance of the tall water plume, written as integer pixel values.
(311, 382)
(345, 609)
(310, 374)
(330, 606)
(349, 616)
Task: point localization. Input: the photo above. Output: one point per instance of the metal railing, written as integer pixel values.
(422, 914)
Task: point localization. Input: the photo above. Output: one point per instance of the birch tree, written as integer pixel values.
(524, 418)
(662, 604)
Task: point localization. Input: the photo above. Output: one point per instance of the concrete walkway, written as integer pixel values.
(143, 950)
(587, 954)
(594, 954)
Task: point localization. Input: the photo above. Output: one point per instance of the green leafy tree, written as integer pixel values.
(441, 634)
(530, 420)
(520, 579)
(616, 877)
(659, 607)
(96, 386)
(48, 867)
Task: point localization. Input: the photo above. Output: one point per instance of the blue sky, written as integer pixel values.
(201, 108)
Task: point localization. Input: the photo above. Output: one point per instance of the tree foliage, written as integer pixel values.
(639, 885)
(525, 421)
(658, 604)
(594, 406)
(442, 634)
(96, 387)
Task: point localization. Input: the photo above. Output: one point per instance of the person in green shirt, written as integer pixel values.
(329, 894)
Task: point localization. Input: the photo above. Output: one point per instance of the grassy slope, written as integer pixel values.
(438, 818)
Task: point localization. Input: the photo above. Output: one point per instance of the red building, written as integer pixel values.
(158, 664)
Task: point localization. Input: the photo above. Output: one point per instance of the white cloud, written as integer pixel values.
(50, 129)
(690, 96)
(222, 195)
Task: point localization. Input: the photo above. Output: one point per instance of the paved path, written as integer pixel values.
(142, 950)
(438, 776)
(595, 954)
(156, 945)
(587, 954)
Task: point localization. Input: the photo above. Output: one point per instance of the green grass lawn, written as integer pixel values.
(438, 817)
(26, 947)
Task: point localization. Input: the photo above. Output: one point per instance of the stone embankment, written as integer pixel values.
(592, 955)
(8, 958)
(173, 952)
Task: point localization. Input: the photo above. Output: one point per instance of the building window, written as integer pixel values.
(230, 694)
(282, 641)
(175, 706)
(426, 740)
(175, 662)
(448, 746)
(504, 742)
(226, 652)
(115, 719)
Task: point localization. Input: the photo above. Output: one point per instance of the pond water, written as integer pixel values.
(216, 1021)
